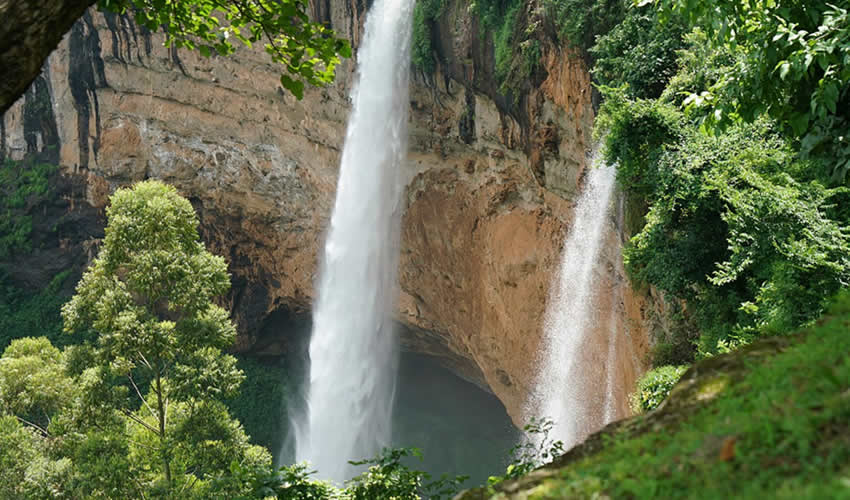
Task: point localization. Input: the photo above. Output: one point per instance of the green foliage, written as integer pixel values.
(259, 482)
(516, 55)
(425, 14)
(308, 51)
(653, 387)
(33, 382)
(148, 296)
(28, 471)
(779, 429)
(729, 229)
(635, 135)
(639, 52)
(32, 314)
(386, 477)
(581, 22)
(23, 185)
(790, 62)
(261, 400)
(536, 449)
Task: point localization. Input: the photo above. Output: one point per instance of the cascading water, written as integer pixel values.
(353, 353)
(571, 376)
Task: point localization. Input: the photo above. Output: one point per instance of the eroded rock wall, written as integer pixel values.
(489, 198)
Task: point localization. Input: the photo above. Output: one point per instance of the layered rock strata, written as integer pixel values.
(490, 190)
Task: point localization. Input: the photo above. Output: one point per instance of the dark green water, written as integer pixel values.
(460, 428)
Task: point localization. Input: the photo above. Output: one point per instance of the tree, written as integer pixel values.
(33, 383)
(148, 295)
(309, 51)
(791, 63)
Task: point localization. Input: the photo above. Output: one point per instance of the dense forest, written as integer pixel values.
(728, 125)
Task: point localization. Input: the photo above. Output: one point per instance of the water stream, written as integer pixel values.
(353, 352)
(573, 385)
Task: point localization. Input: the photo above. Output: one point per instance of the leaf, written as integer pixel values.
(727, 449)
(294, 86)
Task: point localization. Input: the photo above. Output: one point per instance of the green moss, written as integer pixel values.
(774, 422)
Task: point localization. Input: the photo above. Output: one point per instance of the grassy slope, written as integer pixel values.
(769, 421)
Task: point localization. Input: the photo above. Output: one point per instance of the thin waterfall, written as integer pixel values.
(572, 369)
(353, 351)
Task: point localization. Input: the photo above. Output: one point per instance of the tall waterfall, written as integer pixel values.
(353, 352)
(574, 381)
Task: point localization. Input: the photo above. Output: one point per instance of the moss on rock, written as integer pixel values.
(769, 420)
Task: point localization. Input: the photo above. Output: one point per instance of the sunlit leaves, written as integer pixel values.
(308, 51)
(792, 62)
(148, 296)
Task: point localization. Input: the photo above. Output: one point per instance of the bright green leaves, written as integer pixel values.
(653, 387)
(791, 62)
(737, 226)
(33, 383)
(308, 51)
(148, 296)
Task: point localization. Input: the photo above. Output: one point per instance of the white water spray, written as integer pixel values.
(571, 377)
(353, 352)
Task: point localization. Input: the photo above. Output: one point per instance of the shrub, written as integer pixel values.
(654, 387)
(639, 52)
(23, 184)
(425, 14)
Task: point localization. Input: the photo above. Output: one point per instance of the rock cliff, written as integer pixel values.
(491, 179)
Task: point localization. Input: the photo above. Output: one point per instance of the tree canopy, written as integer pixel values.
(148, 296)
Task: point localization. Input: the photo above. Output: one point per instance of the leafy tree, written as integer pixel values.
(33, 382)
(638, 52)
(28, 471)
(790, 62)
(148, 295)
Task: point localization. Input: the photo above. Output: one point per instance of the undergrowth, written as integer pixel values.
(783, 431)
(23, 184)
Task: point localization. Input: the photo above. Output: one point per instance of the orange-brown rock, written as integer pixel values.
(489, 198)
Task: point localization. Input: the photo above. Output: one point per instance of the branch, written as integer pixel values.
(30, 30)
(189, 483)
(144, 402)
(144, 360)
(139, 421)
(35, 426)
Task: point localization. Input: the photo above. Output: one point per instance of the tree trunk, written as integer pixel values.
(162, 413)
(29, 31)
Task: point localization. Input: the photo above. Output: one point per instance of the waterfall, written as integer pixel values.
(353, 352)
(573, 370)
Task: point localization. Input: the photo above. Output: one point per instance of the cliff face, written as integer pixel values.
(489, 199)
